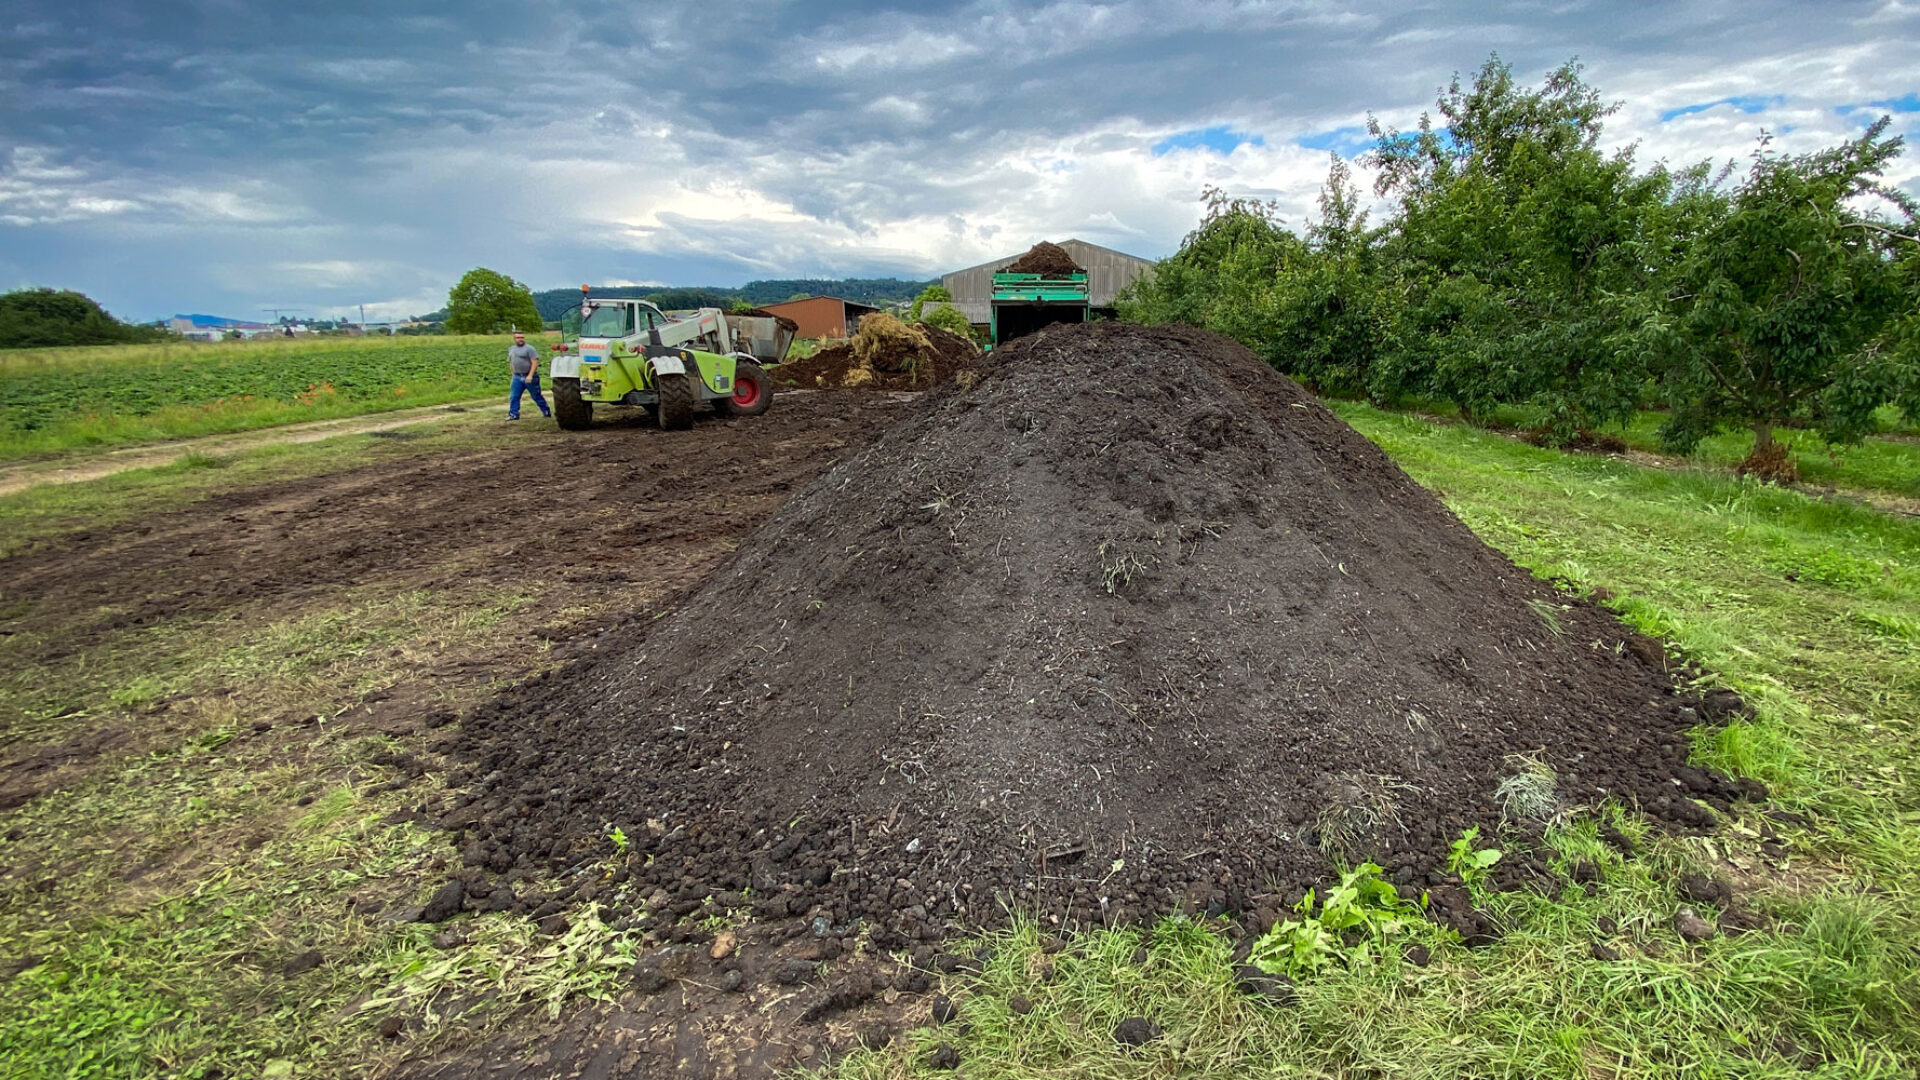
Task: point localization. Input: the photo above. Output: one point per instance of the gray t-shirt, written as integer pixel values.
(524, 358)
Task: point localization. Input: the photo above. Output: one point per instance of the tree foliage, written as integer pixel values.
(932, 294)
(1791, 307)
(1521, 265)
(489, 302)
(39, 318)
(948, 318)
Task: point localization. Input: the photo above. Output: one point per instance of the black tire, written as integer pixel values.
(676, 401)
(571, 411)
(747, 377)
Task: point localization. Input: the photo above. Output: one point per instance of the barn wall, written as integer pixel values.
(818, 316)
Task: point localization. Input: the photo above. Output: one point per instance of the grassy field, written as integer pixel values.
(56, 400)
(1886, 462)
(1890, 462)
(157, 906)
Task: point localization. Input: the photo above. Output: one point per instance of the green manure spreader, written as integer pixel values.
(629, 352)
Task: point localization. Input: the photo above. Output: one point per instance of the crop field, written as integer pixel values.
(227, 765)
(54, 400)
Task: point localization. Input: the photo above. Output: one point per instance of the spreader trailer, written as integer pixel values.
(629, 352)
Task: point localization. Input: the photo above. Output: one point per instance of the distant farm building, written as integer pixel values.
(213, 327)
(1108, 271)
(822, 316)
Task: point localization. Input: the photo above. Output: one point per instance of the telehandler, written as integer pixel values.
(629, 352)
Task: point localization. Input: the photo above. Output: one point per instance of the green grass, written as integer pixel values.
(57, 400)
(1806, 606)
(159, 896)
(43, 513)
(156, 895)
(1878, 464)
(1887, 462)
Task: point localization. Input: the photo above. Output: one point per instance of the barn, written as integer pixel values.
(1108, 271)
(822, 316)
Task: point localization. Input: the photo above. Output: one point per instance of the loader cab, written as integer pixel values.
(619, 318)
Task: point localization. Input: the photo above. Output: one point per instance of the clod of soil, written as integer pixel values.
(1132, 600)
(1045, 258)
(1135, 1031)
(1257, 982)
(303, 963)
(1722, 705)
(944, 1056)
(899, 367)
(1701, 889)
(445, 902)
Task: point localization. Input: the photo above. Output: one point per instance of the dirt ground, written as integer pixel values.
(643, 520)
(621, 511)
(602, 510)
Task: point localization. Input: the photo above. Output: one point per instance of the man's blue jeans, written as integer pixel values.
(528, 383)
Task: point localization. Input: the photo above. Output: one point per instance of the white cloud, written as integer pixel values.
(829, 142)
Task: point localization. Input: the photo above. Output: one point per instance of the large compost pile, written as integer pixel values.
(1132, 624)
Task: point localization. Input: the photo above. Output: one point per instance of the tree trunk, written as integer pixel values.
(1769, 461)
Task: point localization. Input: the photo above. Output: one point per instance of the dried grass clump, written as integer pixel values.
(1529, 792)
(856, 378)
(1360, 810)
(884, 343)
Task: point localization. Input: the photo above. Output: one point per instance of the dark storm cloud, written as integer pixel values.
(167, 155)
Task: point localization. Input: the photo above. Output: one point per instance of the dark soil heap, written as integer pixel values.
(1051, 260)
(948, 354)
(1133, 624)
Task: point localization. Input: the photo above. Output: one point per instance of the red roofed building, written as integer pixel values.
(822, 316)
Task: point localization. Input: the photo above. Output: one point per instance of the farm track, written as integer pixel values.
(67, 470)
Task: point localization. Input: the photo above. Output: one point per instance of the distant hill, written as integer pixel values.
(553, 302)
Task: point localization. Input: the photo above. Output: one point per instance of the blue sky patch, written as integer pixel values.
(1746, 103)
(1910, 102)
(1219, 138)
(1345, 141)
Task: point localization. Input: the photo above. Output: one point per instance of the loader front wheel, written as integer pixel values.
(571, 411)
(752, 392)
(676, 401)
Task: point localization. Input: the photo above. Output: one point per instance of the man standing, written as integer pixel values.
(526, 376)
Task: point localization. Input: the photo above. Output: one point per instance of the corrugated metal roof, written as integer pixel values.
(1108, 271)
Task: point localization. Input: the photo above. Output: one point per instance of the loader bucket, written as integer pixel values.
(765, 337)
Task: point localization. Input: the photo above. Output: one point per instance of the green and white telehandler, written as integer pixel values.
(629, 352)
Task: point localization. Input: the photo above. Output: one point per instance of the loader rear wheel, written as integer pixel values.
(570, 410)
(752, 392)
(676, 401)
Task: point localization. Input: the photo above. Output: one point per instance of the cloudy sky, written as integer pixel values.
(225, 156)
